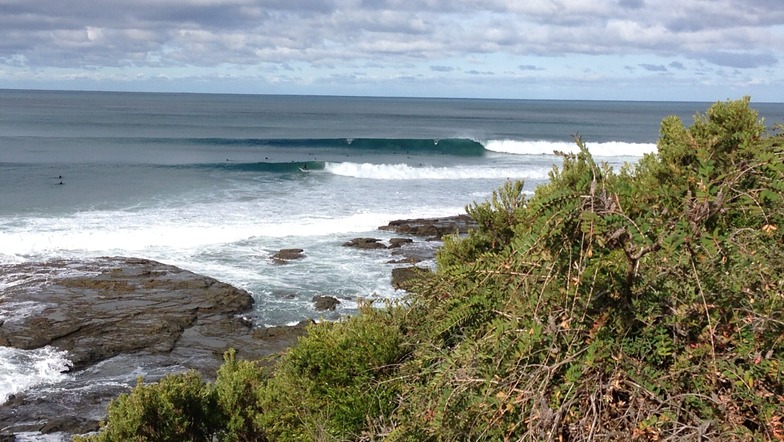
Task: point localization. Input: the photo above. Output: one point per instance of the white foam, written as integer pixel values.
(12, 279)
(406, 172)
(21, 370)
(19, 311)
(607, 149)
(37, 436)
(118, 232)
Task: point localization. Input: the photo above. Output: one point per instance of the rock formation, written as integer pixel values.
(115, 315)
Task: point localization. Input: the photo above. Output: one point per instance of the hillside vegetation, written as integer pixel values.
(645, 303)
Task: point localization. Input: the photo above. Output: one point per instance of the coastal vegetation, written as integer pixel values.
(645, 303)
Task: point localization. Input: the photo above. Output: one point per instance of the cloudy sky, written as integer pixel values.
(704, 50)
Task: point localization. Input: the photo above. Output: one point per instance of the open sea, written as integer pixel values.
(217, 183)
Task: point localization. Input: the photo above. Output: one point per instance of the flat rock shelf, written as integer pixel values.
(120, 315)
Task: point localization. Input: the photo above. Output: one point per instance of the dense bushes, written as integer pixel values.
(646, 303)
(184, 407)
(336, 380)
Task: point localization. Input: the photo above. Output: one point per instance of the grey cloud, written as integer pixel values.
(740, 60)
(631, 4)
(653, 67)
(677, 65)
(79, 33)
(442, 68)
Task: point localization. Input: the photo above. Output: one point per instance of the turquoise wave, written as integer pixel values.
(269, 167)
(448, 146)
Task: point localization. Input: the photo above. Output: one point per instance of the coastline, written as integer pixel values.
(118, 316)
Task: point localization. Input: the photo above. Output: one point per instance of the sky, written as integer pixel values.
(674, 50)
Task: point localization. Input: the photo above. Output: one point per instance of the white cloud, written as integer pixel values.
(404, 39)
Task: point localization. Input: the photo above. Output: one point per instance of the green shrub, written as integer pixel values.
(644, 303)
(236, 389)
(179, 407)
(334, 381)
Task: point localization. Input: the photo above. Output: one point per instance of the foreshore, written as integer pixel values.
(118, 316)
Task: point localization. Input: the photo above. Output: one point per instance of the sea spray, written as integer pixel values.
(21, 370)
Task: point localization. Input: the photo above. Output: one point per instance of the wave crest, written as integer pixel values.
(406, 172)
(607, 149)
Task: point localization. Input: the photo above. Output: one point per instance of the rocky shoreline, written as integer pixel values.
(116, 315)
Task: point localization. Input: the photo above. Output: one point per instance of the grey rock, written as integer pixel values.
(113, 315)
(365, 243)
(432, 228)
(396, 243)
(403, 277)
(284, 255)
(322, 303)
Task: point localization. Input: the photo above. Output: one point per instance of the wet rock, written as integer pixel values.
(416, 252)
(69, 424)
(396, 243)
(405, 260)
(433, 228)
(117, 306)
(284, 255)
(115, 316)
(365, 243)
(295, 331)
(323, 303)
(403, 277)
(410, 251)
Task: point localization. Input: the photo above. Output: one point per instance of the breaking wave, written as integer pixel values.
(407, 172)
(606, 149)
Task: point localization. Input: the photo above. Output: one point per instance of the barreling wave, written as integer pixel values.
(447, 146)
(607, 149)
(406, 172)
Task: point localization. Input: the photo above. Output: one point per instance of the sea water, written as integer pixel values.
(216, 184)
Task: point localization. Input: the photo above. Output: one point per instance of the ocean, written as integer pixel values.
(216, 184)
